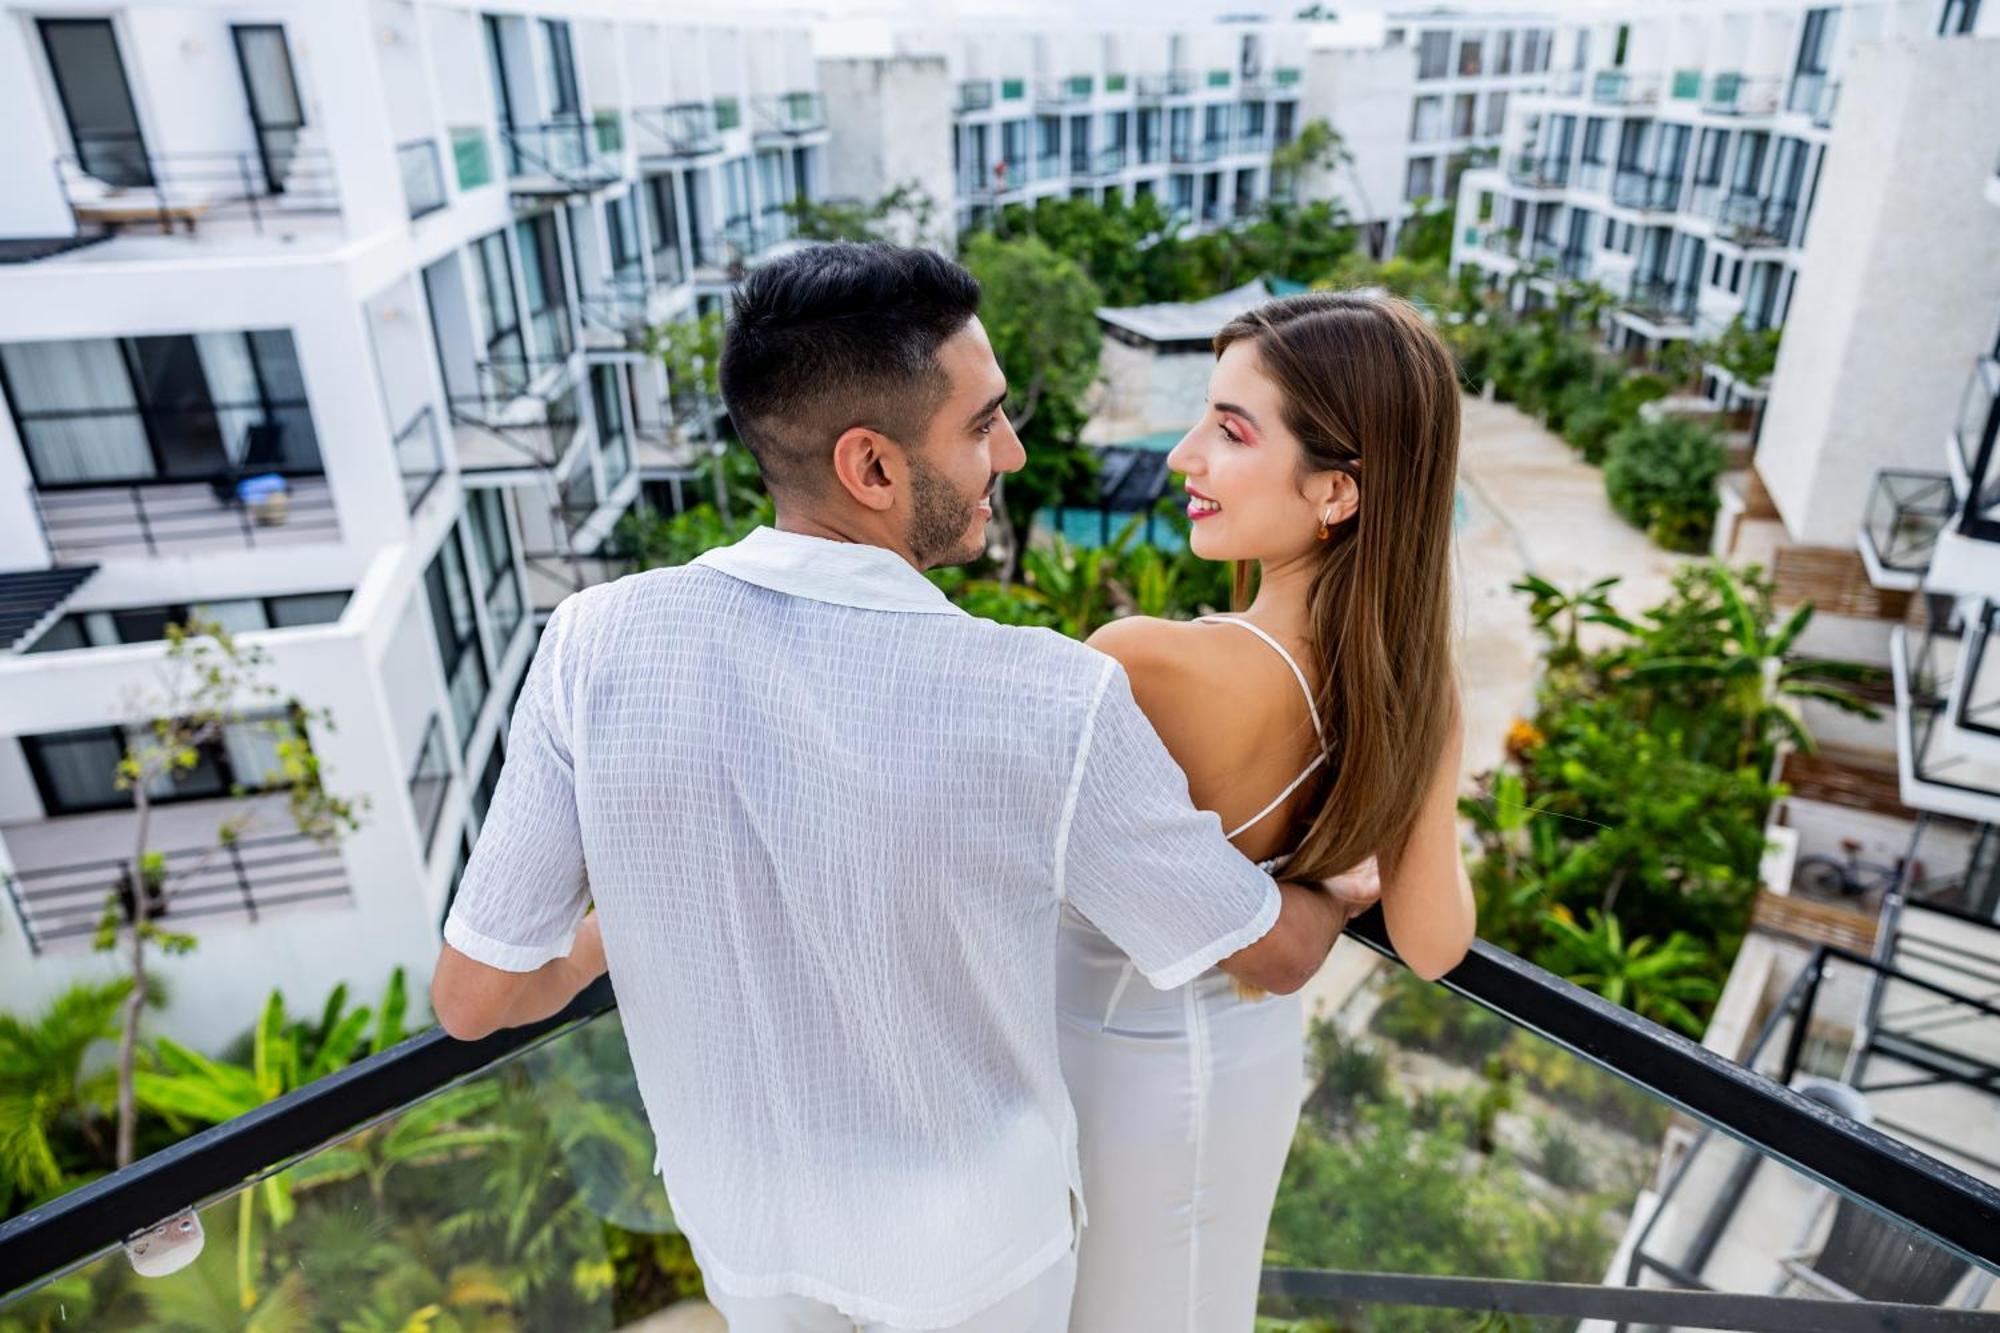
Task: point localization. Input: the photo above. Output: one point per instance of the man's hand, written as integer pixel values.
(1357, 890)
(472, 1000)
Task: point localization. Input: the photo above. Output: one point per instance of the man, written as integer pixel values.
(828, 821)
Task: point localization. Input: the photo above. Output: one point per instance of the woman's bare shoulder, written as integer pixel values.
(1184, 661)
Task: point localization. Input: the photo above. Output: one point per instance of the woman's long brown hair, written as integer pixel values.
(1370, 390)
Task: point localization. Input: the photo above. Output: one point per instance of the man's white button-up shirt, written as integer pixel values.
(829, 822)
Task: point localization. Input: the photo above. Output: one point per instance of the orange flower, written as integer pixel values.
(1522, 736)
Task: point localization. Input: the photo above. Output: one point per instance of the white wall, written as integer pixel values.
(1903, 258)
(890, 122)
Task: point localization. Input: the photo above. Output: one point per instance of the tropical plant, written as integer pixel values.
(208, 683)
(1559, 616)
(1661, 477)
(1750, 356)
(1662, 980)
(54, 1109)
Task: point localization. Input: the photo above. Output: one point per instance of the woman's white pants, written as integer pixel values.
(1186, 1101)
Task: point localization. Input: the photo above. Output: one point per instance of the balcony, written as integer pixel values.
(975, 95)
(1899, 530)
(59, 901)
(1617, 88)
(1814, 96)
(521, 423)
(1501, 241)
(1973, 443)
(115, 185)
(1731, 94)
(783, 116)
(558, 158)
(1660, 301)
(1753, 222)
(546, 1122)
(1645, 192)
(1171, 83)
(422, 170)
(1538, 173)
(682, 130)
(1071, 91)
(1566, 83)
(419, 451)
(1198, 150)
(1101, 165)
(614, 315)
(1944, 765)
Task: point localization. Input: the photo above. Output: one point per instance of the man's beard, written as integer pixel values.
(940, 520)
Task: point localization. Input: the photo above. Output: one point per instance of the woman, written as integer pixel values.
(1322, 726)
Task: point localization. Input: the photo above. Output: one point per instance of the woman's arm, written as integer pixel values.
(1427, 903)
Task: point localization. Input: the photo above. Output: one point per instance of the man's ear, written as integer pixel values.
(869, 466)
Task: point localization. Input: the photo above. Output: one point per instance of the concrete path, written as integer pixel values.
(1532, 506)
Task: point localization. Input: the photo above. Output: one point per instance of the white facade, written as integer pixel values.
(399, 254)
(1675, 159)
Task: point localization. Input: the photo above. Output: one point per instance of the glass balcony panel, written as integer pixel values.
(1906, 512)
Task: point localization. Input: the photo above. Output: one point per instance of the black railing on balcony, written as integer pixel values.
(419, 453)
(1645, 191)
(525, 407)
(1538, 173)
(782, 115)
(430, 779)
(564, 1094)
(113, 182)
(1729, 94)
(1661, 300)
(617, 308)
(422, 170)
(1906, 511)
(1974, 440)
(1169, 83)
(90, 522)
(1752, 221)
(243, 877)
(561, 157)
(684, 129)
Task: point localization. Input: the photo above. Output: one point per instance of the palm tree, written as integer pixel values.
(1589, 605)
(1760, 684)
(45, 1095)
(1663, 981)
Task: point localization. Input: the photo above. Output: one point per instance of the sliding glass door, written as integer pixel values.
(97, 100)
(276, 111)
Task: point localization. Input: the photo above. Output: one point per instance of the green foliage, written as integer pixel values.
(54, 1111)
(1661, 476)
(1662, 980)
(691, 350)
(906, 214)
(1749, 355)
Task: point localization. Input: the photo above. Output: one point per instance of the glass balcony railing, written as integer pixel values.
(685, 129)
(1730, 94)
(1906, 512)
(1646, 191)
(1661, 300)
(422, 170)
(1501, 1150)
(561, 157)
(1617, 88)
(783, 115)
(1973, 446)
(1814, 95)
(1538, 173)
(1752, 221)
(524, 415)
(419, 455)
(113, 181)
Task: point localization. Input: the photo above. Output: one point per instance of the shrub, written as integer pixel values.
(1660, 476)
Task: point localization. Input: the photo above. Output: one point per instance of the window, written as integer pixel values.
(180, 407)
(1471, 49)
(76, 771)
(1464, 108)
(1535, 44)
(1959, 18)
(1749, 169)
(1496, 111)
(621, 225)
(563, 102)
(542, 279)
(493, 279)
(1426, 119)
(1433, 55)
(1708, 158)
(1421, 180)
(1816, 42)
(1503, 52)
(1610, 240)
(663, 220)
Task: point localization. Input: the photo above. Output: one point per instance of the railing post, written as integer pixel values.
(249, 192)
(145, 523)
(1795, 1044)
(242, 879)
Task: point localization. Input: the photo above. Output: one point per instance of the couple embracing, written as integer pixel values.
(956, 978)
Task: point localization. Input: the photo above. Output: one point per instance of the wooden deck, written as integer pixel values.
(1809, 921)
(1853, 779)
(1836, 582)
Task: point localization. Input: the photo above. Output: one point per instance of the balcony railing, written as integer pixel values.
(1661, 300)
(240, 878)
(560, 157)
(685, 129)
(1171, 83)
(1753, 222)
(1198, 150)
(1906, 512)
(1591, 176)
(1501, 241)
(1730, 94)
(1974, 444)
(422, 170)
(786, 115)
(1617, 88)
(419, 455)
(1816, 96)
(617, 309)
(1538, 173)
(1566, 83)
(1062, 92)
(1645, 191)
(1104, 162)
(975, 95)
(112, 183)
(430, 779)
(546, 1122)
(524, 415)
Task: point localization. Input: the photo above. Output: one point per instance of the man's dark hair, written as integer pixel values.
(838, 336)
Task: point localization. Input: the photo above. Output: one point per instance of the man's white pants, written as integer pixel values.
(1042, 1306)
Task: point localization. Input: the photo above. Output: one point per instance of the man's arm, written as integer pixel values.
(472, 1000)
(1310, 920)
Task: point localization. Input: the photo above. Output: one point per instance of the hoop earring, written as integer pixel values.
(1326, 524)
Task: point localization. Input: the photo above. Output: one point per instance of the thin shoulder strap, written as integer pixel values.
(1312, 707)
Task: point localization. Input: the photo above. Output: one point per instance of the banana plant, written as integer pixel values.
(1662, 980)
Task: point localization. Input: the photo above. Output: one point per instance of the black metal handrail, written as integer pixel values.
(1661, 300)
(564, 152)
(113, 181)
(419, 455)
(1907, 509)
(1752, 220)
(243, 877)
(87, 521)
(1954, 1209)
(682, 129)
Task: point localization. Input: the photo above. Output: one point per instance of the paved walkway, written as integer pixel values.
(1532, 506)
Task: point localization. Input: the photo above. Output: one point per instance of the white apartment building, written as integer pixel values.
(1675, 159)
(985, 112)
(394, 260)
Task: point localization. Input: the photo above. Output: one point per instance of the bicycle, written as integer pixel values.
(1847, 875)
